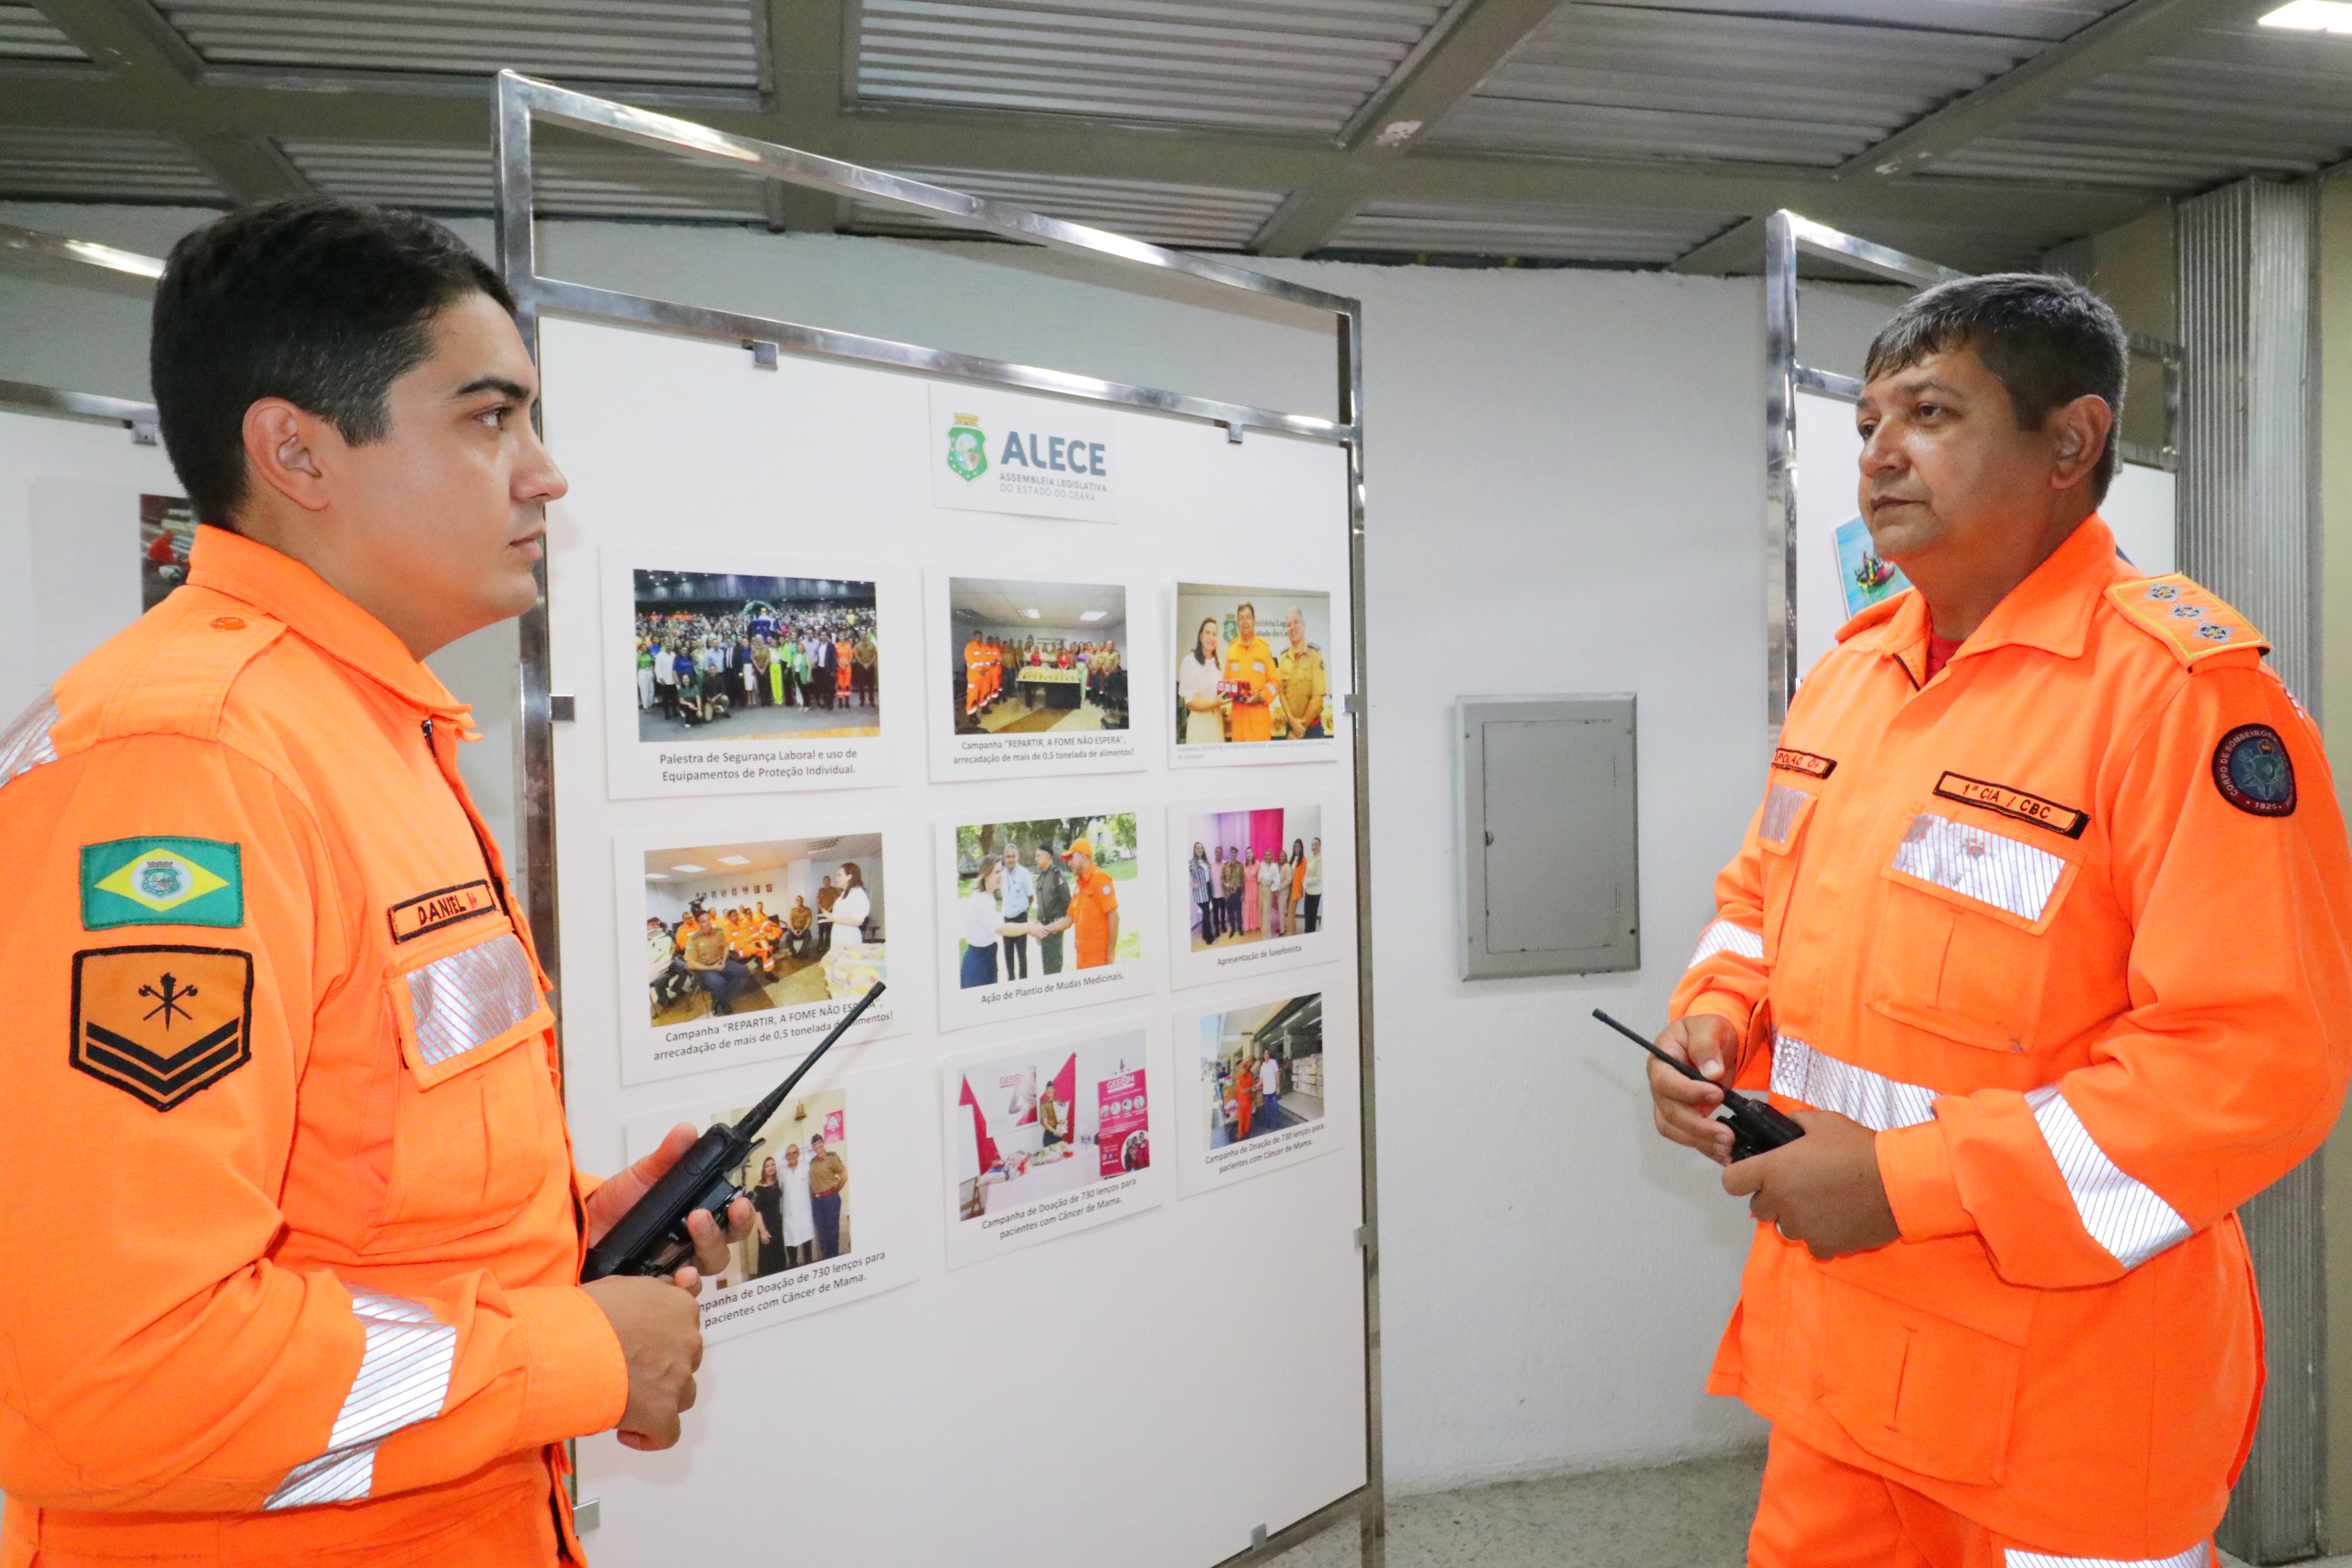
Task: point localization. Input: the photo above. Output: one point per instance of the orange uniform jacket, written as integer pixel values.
(279, 1114)
(1251, 664)
(2067, 925)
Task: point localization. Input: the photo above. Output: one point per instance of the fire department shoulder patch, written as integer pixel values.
(161, 1023)
(2184, 617)
(2253, 772)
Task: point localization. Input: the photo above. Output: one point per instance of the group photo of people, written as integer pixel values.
(1262, 1069)
(736, 928)
(1251, 665)
(723, 655)
(797, 1177)
(1255, 875)
(1039, 898)
(1032, 656)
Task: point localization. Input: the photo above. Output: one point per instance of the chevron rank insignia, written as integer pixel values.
(2184, 617)
(161, 1023)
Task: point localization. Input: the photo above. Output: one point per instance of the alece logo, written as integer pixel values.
(967, 448)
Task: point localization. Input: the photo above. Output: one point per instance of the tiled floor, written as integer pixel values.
(1692, 1515)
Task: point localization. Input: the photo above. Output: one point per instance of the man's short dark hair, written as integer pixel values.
(321, 301)
(2046, 338)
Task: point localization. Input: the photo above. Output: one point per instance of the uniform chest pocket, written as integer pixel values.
(1780, 831)
(1962, 948)
(470, 1138)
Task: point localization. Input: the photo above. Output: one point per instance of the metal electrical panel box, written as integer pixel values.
(1550, 873)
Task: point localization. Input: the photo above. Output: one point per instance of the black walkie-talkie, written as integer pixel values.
(1756, 1127)
(652, 1237)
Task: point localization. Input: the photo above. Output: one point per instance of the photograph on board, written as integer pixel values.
(1034, 658)
(1254, 672)
(742, 928)
(725, 657)
(1255, 876)
(1029, 1124)
(1047, 910)
(1257, 1098)
(838, 1178)
(167, 532)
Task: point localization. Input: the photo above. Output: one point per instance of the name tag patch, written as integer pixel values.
(441, 906)
(2063, 820)
(1804, 762)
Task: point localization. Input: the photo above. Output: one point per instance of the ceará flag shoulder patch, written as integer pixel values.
(162, 883)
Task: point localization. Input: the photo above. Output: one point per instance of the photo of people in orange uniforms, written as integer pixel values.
(1034, 657)
(1252, 665)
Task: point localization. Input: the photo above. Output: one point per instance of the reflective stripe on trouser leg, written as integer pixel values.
(2197, 1556)
(2123, 1215)
(403, 1378)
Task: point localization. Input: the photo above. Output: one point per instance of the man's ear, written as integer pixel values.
(281, 447)
(2079, 431)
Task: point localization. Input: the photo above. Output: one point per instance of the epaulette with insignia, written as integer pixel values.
(2185, 618)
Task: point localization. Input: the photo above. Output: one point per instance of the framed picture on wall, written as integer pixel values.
(1032, 677)
(1257, 676)
(753, 941)
(729, 674)
(1253, 884)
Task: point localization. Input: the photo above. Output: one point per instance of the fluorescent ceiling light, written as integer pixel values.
(2312, 16)
(1033, 615)
(1094, 615)
(657, 876)
(690, 869)
(734, 860)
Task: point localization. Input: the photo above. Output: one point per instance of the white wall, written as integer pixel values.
(1565, 482)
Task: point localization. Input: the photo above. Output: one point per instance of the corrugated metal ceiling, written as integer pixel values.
(1710, 81)
(1511, 229)
(2224, 103)
(576, 178)
(1207, 218)
(700, 43)
(100, 166)
(26, 34)
(1298, 66)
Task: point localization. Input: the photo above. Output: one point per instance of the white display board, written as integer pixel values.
(69, 544)
(1048, 1340)
(2138, 508)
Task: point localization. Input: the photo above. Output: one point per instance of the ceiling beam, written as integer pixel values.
(2121, 37)
(805, 44)
(1445, 69)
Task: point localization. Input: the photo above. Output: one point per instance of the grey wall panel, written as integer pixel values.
(2249, 528)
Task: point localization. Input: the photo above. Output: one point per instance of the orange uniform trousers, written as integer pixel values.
(1819, 1513)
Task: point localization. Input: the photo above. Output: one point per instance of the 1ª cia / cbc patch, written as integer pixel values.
(162, 883)
(161, 1023)
(2252, 770)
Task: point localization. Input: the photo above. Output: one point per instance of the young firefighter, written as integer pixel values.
(259, 943)
(2041, 933)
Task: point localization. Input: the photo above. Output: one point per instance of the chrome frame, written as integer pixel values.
(522, 102)
(60, 403)
(1786, 235)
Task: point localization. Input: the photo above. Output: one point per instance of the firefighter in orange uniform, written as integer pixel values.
(975, 693)
(2041, 934)
(1250, 666)
(292, 985)
(1093, 908)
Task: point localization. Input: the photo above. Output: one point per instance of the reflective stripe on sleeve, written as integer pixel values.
(469, 998)
(2122, 1213)
(1724, 937)
(25, 744)
(2196, 1556)
(404, 1377)
(1878, 1102)
(1782, 803)
(1978, 863)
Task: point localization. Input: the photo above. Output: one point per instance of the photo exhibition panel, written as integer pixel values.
(878, 677)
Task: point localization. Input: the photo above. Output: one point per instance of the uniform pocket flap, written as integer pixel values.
(1920, 1388)
(461, 1008)
(1786, 807)
(2017, 883)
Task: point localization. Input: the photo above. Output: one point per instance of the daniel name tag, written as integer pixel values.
(441, 906)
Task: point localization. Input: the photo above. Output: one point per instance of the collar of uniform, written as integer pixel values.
(281, 586)
(2050, 610)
